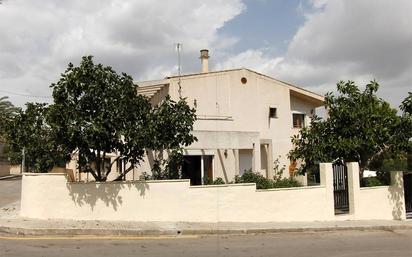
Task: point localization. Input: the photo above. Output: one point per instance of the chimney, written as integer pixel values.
(204, 59)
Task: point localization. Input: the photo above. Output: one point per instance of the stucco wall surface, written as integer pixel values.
(383, 202)
(51, 196)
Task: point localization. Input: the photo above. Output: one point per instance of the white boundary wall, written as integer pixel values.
(50, 196)
(382, 202)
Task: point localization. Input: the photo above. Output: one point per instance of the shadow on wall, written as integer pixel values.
(397, 196)
(108, 193)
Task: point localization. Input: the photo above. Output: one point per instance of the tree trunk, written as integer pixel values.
(99, 174)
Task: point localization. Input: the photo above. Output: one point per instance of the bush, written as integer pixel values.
(252, 177)
(264, 183)
(286, 182)
(209, 181)
(372, 182)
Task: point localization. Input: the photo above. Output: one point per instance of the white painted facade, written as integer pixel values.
(233, 118)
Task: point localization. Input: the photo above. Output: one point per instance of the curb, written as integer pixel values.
(10, 176)
(13, 231)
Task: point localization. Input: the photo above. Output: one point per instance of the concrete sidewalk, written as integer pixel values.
(12, 224)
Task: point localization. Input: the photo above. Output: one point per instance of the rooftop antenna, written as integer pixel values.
(179, 48)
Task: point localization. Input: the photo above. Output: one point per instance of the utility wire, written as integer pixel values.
(19, 94)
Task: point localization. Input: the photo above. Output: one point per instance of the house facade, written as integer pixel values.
(245, 121)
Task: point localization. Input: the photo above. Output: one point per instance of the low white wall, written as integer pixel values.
(52, 197)
(378, 203)
(382, 202)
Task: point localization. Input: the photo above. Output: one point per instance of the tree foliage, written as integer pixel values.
(359, 127)
(406, 106)
(30, 130)
(170, 129)
(97, 113)
(7, 112)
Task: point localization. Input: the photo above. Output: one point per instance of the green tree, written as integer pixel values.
(170, 129)
(29, 130)
(406, 128)
(97, 113)
(7, 112)
(406, 106)
(360, 126)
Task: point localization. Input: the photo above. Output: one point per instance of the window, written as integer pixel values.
(273, 112)
(298, 120)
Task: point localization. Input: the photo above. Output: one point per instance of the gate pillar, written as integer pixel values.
(326, 180)
(398, 195)
(353, 185)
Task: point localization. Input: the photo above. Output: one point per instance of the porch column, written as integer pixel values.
(202, 168)
(270, 160)
(236, 154)
(256, 158)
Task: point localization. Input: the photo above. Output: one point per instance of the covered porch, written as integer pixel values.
(225, 154)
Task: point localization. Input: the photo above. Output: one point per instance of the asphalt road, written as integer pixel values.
(9, 190)
(360, 244)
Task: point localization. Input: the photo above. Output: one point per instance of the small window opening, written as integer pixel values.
(243, 80)
(298, 120)
(273, 112)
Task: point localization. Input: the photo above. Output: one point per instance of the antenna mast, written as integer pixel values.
(179, 48)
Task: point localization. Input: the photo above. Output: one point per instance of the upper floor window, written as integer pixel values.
(298, 120)
(273, 112)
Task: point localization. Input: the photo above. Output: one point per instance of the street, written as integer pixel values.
(349, 243)
(10, 189)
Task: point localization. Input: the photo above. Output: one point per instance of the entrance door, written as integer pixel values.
(407, 183)
(197, 167)
(191, 169)
(340, 188)
(245, 160)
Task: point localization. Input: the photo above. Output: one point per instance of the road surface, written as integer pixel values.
(9, 190)
(359, 244)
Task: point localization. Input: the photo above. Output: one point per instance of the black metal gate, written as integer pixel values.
(407, 182)
(340, 188)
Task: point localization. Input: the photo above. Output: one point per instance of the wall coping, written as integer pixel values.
(132, 181)
(42, 174)
(224, 185)
(289, 188)
(375, 187)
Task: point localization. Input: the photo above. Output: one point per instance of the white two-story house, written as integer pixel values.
(245, 120)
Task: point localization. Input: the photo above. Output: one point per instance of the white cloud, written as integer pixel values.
(345, 39)
(39, 38)
(251, 58)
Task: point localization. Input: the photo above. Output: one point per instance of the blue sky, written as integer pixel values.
(266, 24)
(309, 43)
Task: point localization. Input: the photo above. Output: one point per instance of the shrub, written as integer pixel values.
(209, 181)
(371, 182)
(264, 183)
(252, 177)
(286, 182)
